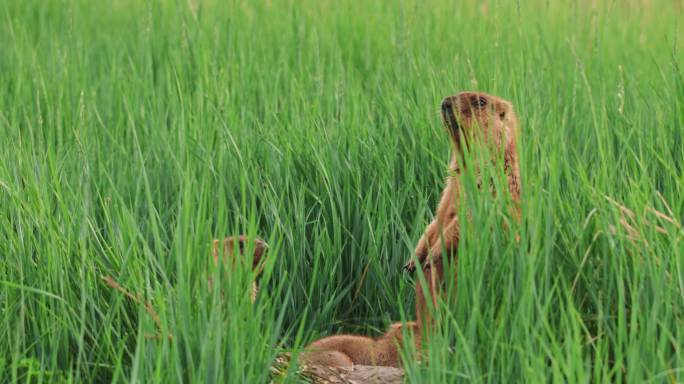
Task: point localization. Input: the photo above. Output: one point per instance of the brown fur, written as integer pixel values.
(469, 117)
(348, 350)
(240, 244)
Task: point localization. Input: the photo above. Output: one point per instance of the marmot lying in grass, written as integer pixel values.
(470, 118)
(349, 350)
(240, 243)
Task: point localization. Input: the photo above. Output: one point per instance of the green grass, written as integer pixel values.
(135, 132)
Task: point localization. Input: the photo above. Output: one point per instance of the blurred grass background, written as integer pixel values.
(136, 131)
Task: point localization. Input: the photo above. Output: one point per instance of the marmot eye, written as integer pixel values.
(479, 102)
(502, 115)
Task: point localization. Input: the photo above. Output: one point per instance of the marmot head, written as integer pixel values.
(479, 117)
(241, 244)
(234, 248)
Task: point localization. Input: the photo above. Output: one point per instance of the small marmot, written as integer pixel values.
(240, 244)
(349, 350)
(469, 117)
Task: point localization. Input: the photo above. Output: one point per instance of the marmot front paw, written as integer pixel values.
(424, 260)
(410, 266)
(421, 253)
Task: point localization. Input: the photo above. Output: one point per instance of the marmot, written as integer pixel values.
(469, 117)
(348, 350)
(240, 244)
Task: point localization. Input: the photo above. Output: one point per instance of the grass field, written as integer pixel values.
(134, 132)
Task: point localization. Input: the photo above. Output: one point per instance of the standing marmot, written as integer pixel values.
(470, 117)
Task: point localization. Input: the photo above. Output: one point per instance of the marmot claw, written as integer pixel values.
(409, 267)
